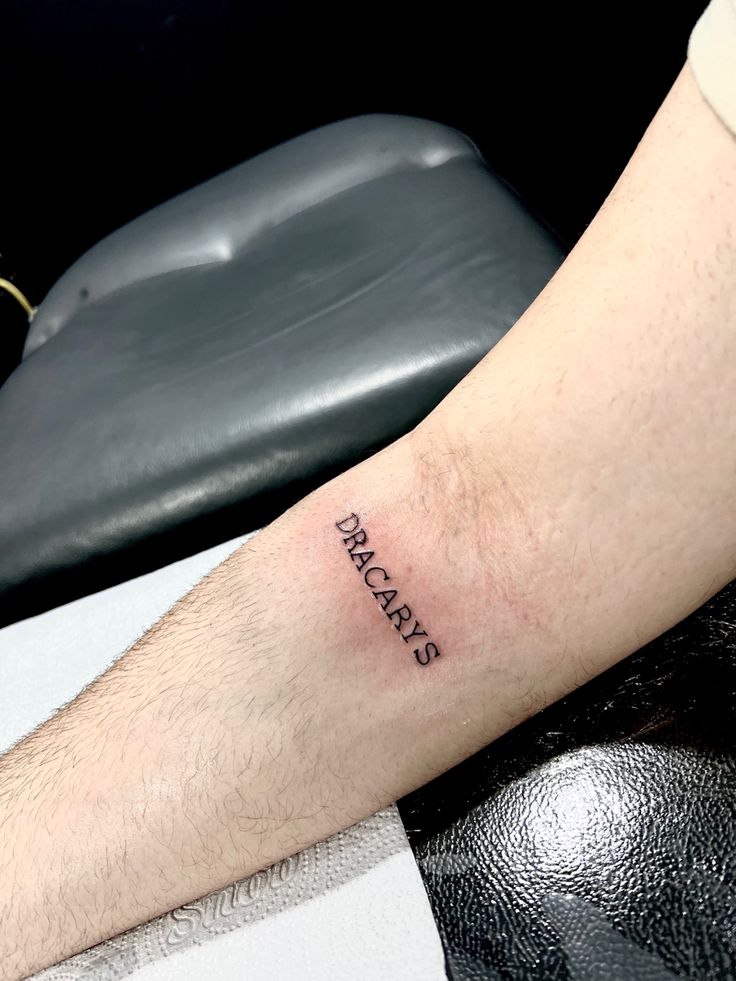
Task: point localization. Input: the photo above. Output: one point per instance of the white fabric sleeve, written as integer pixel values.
(712, 57)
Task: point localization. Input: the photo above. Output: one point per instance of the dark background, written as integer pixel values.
(110, 108)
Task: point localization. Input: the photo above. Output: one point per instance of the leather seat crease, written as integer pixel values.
(204, 366)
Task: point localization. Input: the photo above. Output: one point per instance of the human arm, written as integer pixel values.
(569, 501)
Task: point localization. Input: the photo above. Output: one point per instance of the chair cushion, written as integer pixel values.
(206, 365)
(597, 841)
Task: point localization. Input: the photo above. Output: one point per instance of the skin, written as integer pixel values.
(570, 500)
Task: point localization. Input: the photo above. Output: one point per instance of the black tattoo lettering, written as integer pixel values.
(388, 597)
(375, 568)
(349, 524)
(357, 539)
(361, 558)
(426, 655)
(375, 577)
(416, 632)
(402, 612)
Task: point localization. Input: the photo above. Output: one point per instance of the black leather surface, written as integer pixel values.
(204, 366)
(597, 842)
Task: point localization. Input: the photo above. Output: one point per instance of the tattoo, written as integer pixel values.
(376, 578)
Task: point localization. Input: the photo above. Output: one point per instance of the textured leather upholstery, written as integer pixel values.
(226, 218)
(597, 842)
(205, 365)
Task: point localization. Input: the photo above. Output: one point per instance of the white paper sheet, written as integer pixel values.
(353, 907)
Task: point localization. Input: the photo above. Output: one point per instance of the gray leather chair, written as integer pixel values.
(207, 364)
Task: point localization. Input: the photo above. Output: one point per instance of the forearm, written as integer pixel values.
(611, 401)
(565, 504)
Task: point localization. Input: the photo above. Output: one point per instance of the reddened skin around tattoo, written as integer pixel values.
(377, 579)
